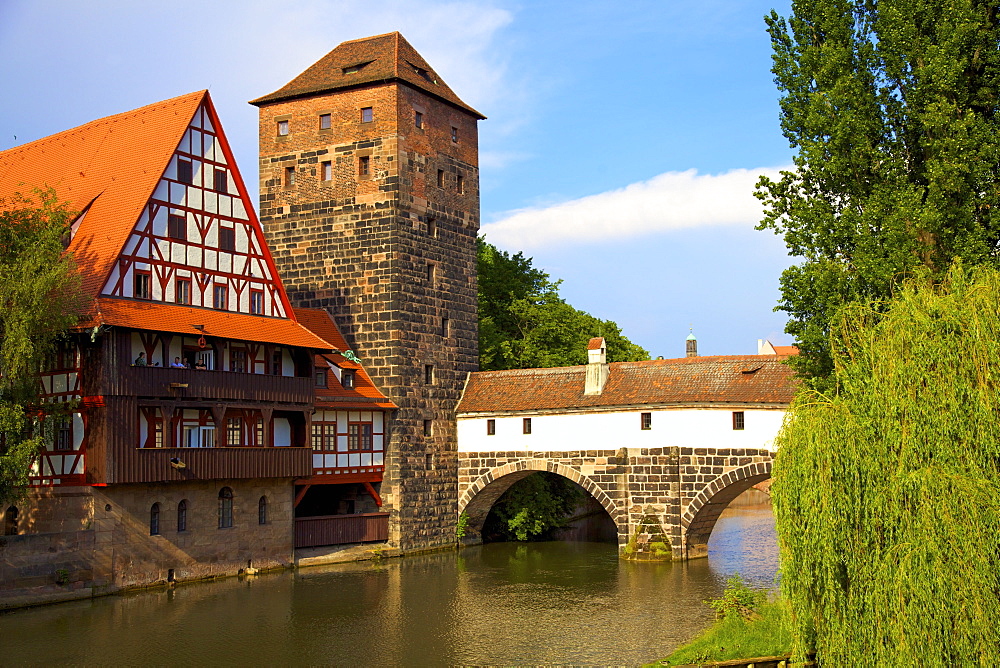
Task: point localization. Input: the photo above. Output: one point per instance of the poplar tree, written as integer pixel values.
(892, 109)
(40, 299)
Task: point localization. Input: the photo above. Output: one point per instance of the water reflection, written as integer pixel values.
(503, 603)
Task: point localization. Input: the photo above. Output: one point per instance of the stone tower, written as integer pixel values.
(369, 196)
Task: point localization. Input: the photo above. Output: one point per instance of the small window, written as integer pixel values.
(221, 180)
(324, 121)
(289, 177)
(177, 227)
(185, 173)
(257, 302)
(220, 297)
(364, 165)
(351, 69)
(154, 520)
(738, 420)
(460, 184)
(440, 179)
(454, 134)
(445, 327)
(366, 115)
(10, 521)
(276, 365)
(418, 119)
(431, 270)
(238, 360)
(432, 228)
(182, 291)
(646, 421)
(326, 171)
(282, 128)
(526, 426)
(347, 379)
(225, 508)
(141, 285)
(182, 516)
(227, 238)
(64, 432)
(428, 374)
(320, 377)
(491, 427)
(262, 510)
(428, 427)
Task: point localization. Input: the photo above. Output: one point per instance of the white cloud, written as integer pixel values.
(669, 201)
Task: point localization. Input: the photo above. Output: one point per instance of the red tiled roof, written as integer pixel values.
(743, 379)
(383, 58)
(165, 317)
(364, 395)
(112, 164)
(595, 343)
(785, 350)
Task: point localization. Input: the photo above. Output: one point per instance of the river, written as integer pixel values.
(499, 604)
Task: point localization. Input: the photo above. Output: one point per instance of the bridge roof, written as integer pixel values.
(738, 379)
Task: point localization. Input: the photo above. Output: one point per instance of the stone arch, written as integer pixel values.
(479, 497)
(699, 518)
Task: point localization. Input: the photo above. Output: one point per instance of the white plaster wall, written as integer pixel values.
(687, 427)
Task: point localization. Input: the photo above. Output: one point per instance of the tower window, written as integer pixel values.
(262, 510)
(324, 121)
(430, 272)
(428, 427)
(289, 177)
(364, 165)
(646, 421)
(227, 238)
(326, 171)
(154, 520)
(221, 180)
(225, 508)
(526, 425)
(445, 327)
(460, 184)
(185, 174)
(366, 115)
(418, 119)
(454, 134)
(428, 374)
(182, 291)
(182, 516)
(282, 128)
(432, 229)
(177, 227)
(440, 178)
(737, 420)
(491, 427)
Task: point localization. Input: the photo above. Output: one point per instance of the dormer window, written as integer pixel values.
(351, 69)
(421, 72)
(347, 379)
(320, 377)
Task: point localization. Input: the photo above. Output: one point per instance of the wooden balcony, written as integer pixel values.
(341, 529)
(148, 381)
(154, 465)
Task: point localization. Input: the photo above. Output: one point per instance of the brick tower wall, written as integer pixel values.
(392, 257)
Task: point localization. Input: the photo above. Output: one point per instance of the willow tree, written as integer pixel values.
(39, 300)
(893, 108)
(887, 489)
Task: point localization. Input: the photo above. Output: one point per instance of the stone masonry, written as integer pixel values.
(669, 495)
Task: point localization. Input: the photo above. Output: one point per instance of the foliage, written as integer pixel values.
(735, 637)
(738, 599)
(893, 108)
(524, 323)
(885, 489)
(462, 526)
(39, 299)
(534, 507)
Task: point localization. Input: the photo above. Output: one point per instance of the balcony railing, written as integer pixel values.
(341, 529)
(148, 381)
(174, 464)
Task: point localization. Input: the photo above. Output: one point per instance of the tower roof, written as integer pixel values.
(371, 60)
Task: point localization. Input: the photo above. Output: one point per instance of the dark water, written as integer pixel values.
(498, 604)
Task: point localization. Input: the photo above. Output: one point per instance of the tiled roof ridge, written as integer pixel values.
(581, 368)
(365, 39)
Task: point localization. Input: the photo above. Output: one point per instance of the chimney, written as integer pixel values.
(597, 366)
(692, 345)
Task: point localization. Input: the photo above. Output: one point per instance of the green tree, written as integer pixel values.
(40, 299)
(534, 507)
(524, 323)
(892, 108)
(885, 489)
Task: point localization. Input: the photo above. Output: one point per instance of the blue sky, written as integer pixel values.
(620, 151)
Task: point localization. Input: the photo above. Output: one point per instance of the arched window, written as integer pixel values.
(10, 522)
(154, 520)
(225, 508)
(262, 510)
(182, 516)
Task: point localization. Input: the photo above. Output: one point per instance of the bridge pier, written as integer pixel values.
(664, 501)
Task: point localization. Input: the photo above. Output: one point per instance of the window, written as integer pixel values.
(645, 421)
(182, 516)
(460, 184)
(454, 134)
(428, 428)
(432, 228)
(445, 327)
(64, 432)
(737, 420)
(418, 119)
(320, 377)
(154, 520)
(491, 427)
(351, 69)
(220, 297)
(289, 177)
(10, 521)
(326, 171)
(220, 180)
(225, 508)
(440, 179)
(366, 115)
(276, 366)
(430, 272)
(282, 128)
(227, 239)
(359, 436)
(182, 291)
(185, 172)
(262, 510)
(234, 432)
(238, 360)
(526, 426)
(347, 379)
(257, 302)
(177, 227)
(364, 165)
(428, 374)
(140, 288)
(324, 121)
